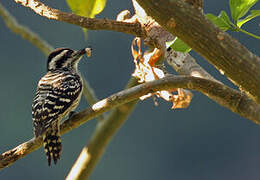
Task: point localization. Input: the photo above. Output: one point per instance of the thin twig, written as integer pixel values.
(220, 93)
(24, 31)
(102, 135)
(89, 23)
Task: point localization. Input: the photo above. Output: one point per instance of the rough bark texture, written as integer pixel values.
(225, 53)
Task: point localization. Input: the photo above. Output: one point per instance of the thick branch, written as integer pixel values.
(185, 64)
(24, 32)
(89, 23)
(196, 3)
(223, 95)
(182, 63)
(220, 49)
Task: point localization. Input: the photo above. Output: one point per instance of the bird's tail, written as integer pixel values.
(52, 145)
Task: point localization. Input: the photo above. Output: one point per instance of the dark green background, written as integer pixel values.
(205, 141)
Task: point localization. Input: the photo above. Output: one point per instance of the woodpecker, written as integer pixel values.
(58, 93)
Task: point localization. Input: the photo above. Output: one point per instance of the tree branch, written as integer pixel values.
(24, 32)
(219, 48)
(89, 23)
(182, 63)
(196, 3)
(185, 64)
(223, 95)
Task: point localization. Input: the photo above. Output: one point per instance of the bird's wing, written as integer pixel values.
(57, 94)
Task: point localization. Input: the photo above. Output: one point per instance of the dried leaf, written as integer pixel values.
(145, 71)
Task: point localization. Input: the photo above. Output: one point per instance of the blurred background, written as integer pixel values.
(205, 141)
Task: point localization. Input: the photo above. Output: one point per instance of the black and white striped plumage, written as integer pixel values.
(58, 93)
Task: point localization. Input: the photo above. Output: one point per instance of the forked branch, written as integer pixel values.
(220, 49)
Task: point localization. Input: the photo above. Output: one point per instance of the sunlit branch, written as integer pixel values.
(89, 23)
(220, 93)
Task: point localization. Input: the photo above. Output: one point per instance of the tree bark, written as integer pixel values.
(230, 57)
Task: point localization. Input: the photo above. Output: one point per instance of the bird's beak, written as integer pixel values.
(81, 52)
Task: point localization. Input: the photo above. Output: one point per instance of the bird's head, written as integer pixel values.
(65, 58)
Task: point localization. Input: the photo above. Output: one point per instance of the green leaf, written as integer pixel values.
(254, 13)
(87, 8)
(178, 45)
(239, 8)
(222, 21)
(223, 15)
